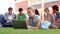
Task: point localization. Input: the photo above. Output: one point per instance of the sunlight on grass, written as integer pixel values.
(26, 31)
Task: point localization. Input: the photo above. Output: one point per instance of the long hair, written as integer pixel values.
(36, 12)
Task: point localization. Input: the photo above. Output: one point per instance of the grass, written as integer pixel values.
(26, 31)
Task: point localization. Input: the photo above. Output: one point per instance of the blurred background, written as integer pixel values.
(38, 4)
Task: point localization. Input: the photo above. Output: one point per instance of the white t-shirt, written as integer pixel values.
(10, 17)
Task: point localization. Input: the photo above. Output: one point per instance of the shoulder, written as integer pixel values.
(13, 14)
(37, 17)
(51, 15)
(6, 13)
(58, 13)
(17, 14)
(24, 14)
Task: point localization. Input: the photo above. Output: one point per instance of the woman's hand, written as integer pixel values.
(29, 27)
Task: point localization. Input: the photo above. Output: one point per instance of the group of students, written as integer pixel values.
(34, 21)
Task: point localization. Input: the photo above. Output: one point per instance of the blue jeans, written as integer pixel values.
(9, 24)
(1, 19)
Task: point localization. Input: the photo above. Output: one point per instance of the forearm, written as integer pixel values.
(56, 22)
(32, 27)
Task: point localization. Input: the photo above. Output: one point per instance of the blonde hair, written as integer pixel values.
(31, 9)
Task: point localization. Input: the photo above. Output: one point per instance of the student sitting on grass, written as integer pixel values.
(47, 19)
(57, 15)
(21, 15)
(8, 17)
(48, 16)
(34, 20)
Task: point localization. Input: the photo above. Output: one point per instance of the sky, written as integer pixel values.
(5, 4)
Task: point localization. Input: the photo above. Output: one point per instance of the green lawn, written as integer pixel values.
(26, 31)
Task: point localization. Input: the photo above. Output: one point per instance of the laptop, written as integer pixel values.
(19, 24)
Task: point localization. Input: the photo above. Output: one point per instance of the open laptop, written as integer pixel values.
(19, 24)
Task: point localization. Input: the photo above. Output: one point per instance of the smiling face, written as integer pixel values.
(10, 9)
(30, 12)
(10, 12)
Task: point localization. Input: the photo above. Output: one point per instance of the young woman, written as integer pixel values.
(48, 19)
(34, 20)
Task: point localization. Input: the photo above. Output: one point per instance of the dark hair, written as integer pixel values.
(36, 12)
(20, 9)
(10, 8)
(55, 7)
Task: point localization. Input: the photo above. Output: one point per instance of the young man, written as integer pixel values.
(8, 17)
(21, 15)
(57, 15)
